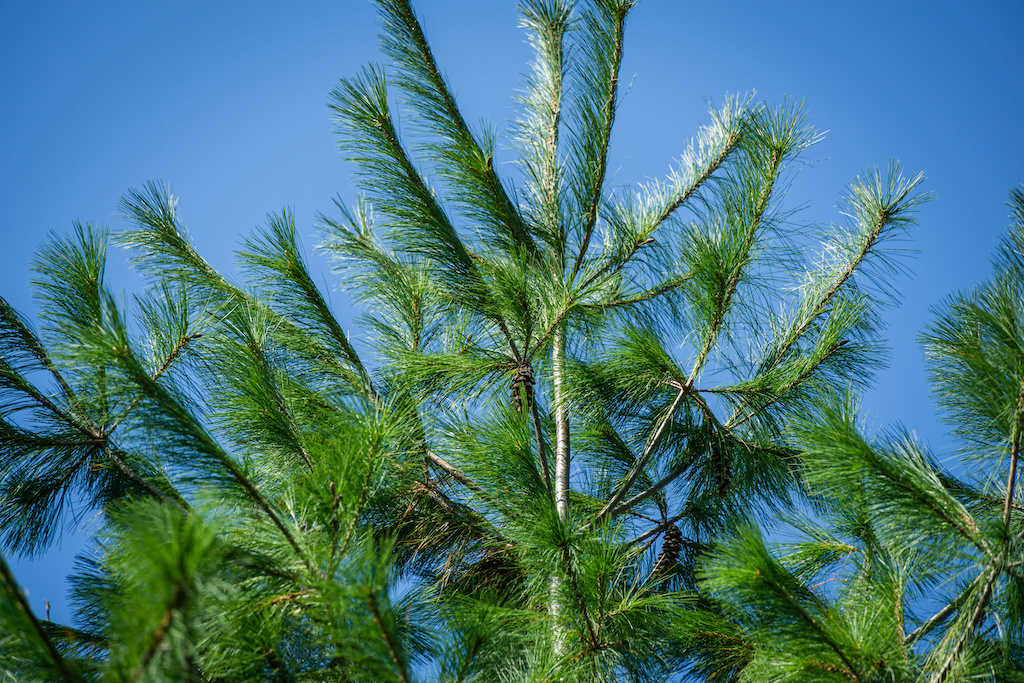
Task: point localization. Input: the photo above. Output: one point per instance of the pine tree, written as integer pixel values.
(570, 392)
(909, 573)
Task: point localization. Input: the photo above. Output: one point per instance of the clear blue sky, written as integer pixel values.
(225, 102)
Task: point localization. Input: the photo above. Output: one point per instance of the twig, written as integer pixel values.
(178, 348)
(656, 530)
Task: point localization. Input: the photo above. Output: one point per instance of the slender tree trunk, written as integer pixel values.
(561, 424)
(561, 415)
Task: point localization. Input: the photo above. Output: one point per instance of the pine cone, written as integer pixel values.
(524, 378)
(669, 555)
(722, 464)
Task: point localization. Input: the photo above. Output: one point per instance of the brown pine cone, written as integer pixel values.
(722, 464)
(670, 549)
(524, 378)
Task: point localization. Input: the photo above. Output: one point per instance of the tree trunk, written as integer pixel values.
(561, 416)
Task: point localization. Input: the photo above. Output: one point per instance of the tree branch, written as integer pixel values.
(456, 474)
(541, 449)
(663, 288)
(650, 491)
(408, 45)
(976, 617)
(11, 586)
(709, 170)
(995, 569)
(634, 472)
(657, 529)
(941, 615)
(177, 601)
(178, 348)
(607, 120)
(371, 601)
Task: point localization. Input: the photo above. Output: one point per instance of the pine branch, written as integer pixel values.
(966, 526)
(541, 448)
(976, 616)
(281, 256)
(252, 348)
(649, 491)
(724, 295)
(177, 602)
(164, 367)
(94, 436)
(468, 661)
(471, 169)
(996, 569)
(574, 581)
(113, 454)
(386, 635)
(646, 295)
(70, 635)
(611, 268)
(641, 462)
(185, 424)
(929, 624)
(478, 525)
(714, 146)
(361, 105)
(538, 135)
(886, 210)
(12, 320)
(10, 586)
(657, 529)
(84, 426)
(675, 473)
(166, 251)
(456, 474)
(511, 342)
(263, 505)
(735, 420)
(605, 120)
(802, 614)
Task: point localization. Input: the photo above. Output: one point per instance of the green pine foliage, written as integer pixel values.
(548, 456)
(908, 573)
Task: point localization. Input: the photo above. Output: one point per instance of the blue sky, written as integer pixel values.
(225, 102)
